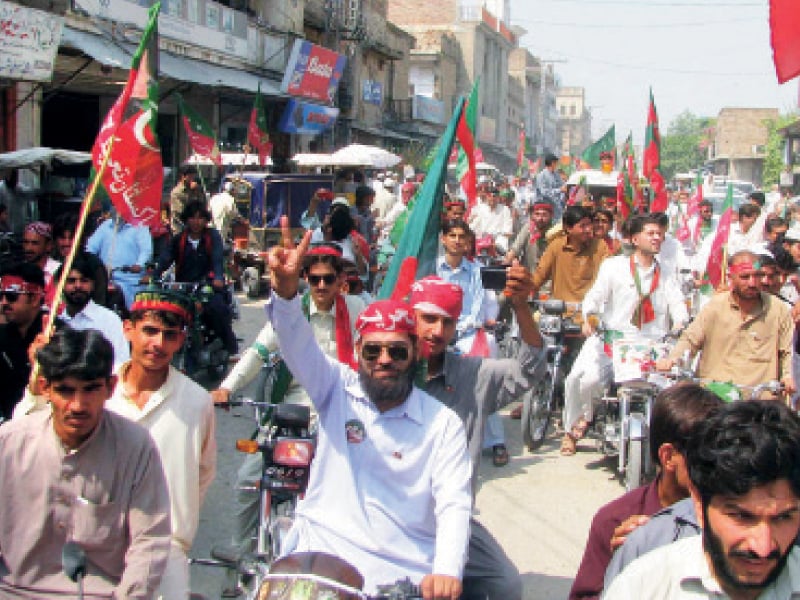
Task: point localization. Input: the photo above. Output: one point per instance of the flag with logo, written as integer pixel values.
(590, 159)
(419, 243)
(466, 171)
(201, 136)
(625, 179)
(126, 152)
(717, 258)
(257, 134)
(651, 160)
(784, 25)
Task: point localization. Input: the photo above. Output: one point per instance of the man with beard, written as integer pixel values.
(744, 469)
(475, 388)
(332, 316)
(389, 491)
(531, 241)
(81, 312)
(21, 297)
(64, 228)
(745, 334)
(37, 244)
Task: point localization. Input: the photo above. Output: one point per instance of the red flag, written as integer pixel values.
(651, 160)
(521, 151)
(133, 175)
(720, 243)
(683, 233)
(257, 130)
(533, 166)
(201, 135)
(467, 157)
(784, 23)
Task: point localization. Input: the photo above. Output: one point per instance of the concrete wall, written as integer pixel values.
(739, 129)
(422, 12)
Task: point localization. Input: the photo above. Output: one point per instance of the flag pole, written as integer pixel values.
(79, 229)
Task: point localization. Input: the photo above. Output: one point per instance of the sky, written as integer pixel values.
(698, 55)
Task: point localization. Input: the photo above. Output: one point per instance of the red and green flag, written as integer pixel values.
(533, 166)
(418, 245)
(651, 160)
(784, 23)
(717, 258)
(521, 152)
(257, 134)
(693, 207)
(590, 159)
(126, 152)
(626, 188)
(201, 136)
(466, 172)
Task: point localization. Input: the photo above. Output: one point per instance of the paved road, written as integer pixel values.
(539, 506)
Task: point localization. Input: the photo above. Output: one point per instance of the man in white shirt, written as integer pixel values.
(81, 312)
(632, 298)
(390, 487)
(179, 415)
(743, 234)
(671, 256)
(746, 493)
(223, 209)
(493, 218)
(332, 316)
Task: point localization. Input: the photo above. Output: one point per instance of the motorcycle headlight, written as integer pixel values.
(550, 323)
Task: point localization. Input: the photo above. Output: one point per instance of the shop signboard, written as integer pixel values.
(307, 118)
(428, 109)
(29, 41)
(372, 92)
(313, 72)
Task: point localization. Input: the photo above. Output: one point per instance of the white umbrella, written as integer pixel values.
(369, 156)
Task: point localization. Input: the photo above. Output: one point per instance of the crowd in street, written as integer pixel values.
(109, 446)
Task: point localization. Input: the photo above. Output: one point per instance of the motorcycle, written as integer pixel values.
(319, 576)
(622, 420)
(538, 404)
(203, 348)
(286, 445)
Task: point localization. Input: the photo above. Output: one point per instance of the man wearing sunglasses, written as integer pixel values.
(21, 297)
(475, 388)
(389, 491)
(332, 316)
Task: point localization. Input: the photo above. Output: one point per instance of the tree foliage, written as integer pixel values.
(684, 145)
(773, 160)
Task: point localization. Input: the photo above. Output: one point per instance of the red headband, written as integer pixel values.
(437, 296)
(163, 305)
(744, 267)
(15, 283)
(543, 206)
(386, 316)
(324, 251)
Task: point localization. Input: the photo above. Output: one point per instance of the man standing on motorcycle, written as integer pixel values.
(197, 254)
(179, 415)
(745, 334)
(475, 388)
(390, 486)
(633, 298)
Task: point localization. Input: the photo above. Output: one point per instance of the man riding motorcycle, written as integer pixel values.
(632, 297)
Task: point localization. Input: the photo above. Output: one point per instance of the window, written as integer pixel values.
(572, 110)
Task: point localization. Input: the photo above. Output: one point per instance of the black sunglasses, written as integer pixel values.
(370, 352)
(315, 279)
(11, 296)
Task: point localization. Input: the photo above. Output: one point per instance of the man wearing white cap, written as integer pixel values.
(475, 388)
(385, 197)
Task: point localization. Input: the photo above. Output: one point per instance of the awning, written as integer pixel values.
(384, 133)
(118, 54)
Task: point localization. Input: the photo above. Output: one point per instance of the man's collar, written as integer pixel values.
(89, 310)
(462, 265)
(411, 408)
(313, 310)
(734, 303)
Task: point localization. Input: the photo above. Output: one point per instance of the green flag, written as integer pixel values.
(607, 143)
(419, 243)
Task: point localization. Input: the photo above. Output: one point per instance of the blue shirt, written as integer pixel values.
(133, 245)
(389, 492)
(467, 276)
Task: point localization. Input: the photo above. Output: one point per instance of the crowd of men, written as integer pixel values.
(110, 447)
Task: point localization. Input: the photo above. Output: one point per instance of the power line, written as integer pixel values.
(630, 26)
(640, 4)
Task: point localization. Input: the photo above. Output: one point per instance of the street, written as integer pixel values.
(539, 506)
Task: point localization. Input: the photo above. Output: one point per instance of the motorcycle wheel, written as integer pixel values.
(251, 282)
(536, 414)
(633, 468)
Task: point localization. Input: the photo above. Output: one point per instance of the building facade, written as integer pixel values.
(739, 145)
(574, 120)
